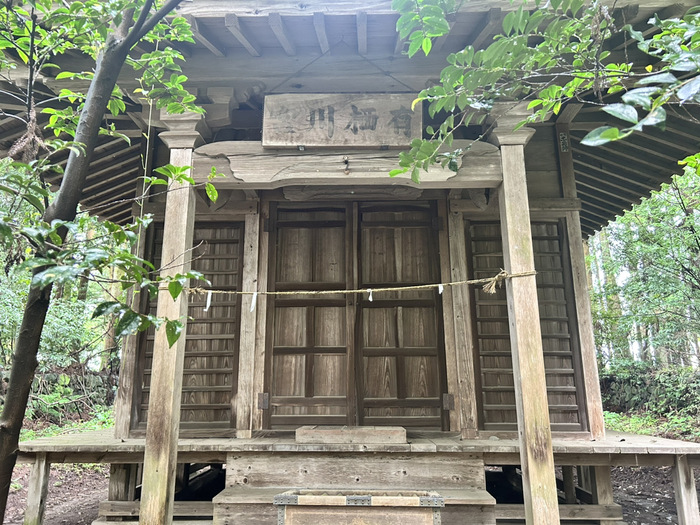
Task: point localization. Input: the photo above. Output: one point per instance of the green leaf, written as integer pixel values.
(600, 136)
(212, 192)
(106, 308)
(128, 323)
(689, 90)
(623, 112)
(427, 46)
(175, 288)
(659, 78)
(173, 329)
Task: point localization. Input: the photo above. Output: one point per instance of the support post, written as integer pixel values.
(37, 490)
(602, 489)
(245, 400)
(591, 383)
(462, 325)
(160, 457)
(536, 456)
(686, 494)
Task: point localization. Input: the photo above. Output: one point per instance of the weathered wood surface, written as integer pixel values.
(566, 512)
(96, 445)
(463, 327)
(345, 434)
(685, 492)
(589, 362)
(248, 164)
(303, 515)
(212, 340)
(381, 470)
(335, 120)
(168, 362)
(537, 461)
(37, 489)
(555, 299)
(246, 362)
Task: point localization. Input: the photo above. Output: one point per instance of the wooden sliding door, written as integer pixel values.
(341, 358)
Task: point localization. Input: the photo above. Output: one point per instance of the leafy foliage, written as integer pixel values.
(550, 54)
(646, 296)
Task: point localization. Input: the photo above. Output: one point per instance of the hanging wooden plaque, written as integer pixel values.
(305, 120)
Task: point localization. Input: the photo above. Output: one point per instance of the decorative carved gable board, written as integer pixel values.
(340, 120)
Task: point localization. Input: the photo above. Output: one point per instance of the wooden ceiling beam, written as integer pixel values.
(607, 188)
(320, 28)
(278, 28)
(589, 193)
(590, 166)
(124, 180)
(623, 162)
(233, 24)
(491, 22)
(204, 39)
(361, 23)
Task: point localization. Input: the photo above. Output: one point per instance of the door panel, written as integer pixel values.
(340, 359)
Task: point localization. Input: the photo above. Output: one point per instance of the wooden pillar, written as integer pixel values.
(591, 383)
(245, 400)
(536, 457)
(466, 393)
(37, 490)
(261, 320)
(686, 494)
(160, 458)
(601, 488)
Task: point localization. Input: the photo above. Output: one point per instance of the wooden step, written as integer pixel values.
(356, 471)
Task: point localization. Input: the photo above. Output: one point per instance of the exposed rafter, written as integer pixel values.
(361, 22)
(233, 24)
(320, 27)
(205, 39)
(278, 28)
(492, 20)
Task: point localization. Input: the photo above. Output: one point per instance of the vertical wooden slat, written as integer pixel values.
(126, 402)
(160, 457)
(685, 492)
(261, 319)
(351, 306)
(589, 361)
(466, 388)
(245, 399)
(37, 489)
(537, 460)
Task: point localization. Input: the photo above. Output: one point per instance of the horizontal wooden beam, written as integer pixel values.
(249, 165)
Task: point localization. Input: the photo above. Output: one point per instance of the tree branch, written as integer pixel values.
(157, 17)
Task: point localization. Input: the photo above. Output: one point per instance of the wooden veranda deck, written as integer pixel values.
(617, 449)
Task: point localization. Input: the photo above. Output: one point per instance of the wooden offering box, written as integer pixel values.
(355, 508)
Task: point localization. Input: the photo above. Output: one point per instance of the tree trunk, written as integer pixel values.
(64, 207)
(21, 376)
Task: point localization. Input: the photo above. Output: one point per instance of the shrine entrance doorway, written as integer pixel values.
(355, 359)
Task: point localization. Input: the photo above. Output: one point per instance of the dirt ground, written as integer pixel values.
(645, 493)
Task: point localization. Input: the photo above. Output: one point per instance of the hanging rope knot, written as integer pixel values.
(495, 281)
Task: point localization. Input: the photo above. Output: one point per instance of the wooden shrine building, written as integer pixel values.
(429, 402)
